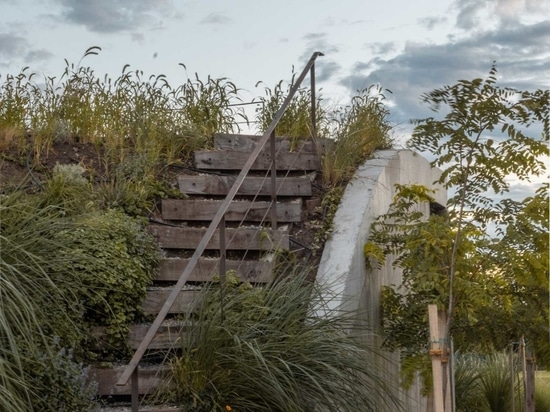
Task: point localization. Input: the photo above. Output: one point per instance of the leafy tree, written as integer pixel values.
(486, 261)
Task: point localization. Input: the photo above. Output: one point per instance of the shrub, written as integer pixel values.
(271, 352)
(113, 260)
(29, 244)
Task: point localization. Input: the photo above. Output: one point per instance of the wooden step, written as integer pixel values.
(233, 160)
(168, 335)
(170, 237)
(170, 269)
(186, 302)
(145, 408)
(150, 378)
(239, 211)
(247, 143)
(219, 185)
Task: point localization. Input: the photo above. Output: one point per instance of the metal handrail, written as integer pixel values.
(132, 367)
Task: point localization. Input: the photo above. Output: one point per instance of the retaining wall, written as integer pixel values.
(342, 267)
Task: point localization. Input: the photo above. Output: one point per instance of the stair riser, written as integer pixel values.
(247, 143)
(236, 239)
(205, 210)
(228, 160)
(247, 271)
(252, 186)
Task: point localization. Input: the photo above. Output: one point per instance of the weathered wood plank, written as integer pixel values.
(247, 143)
(232, 160)
(167, 336)
(220, 185)
(248, 271)
(149, 380)
(187, 301)
(171, 237)
(239, 211)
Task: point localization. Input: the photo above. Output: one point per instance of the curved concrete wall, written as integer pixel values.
(342, 267)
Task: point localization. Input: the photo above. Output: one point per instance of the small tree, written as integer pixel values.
(458, 261)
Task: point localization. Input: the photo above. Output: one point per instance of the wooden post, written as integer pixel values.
(529, 380)
(445, 361)
(512, 378)
(436, 352)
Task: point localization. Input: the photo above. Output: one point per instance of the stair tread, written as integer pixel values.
(234, 160)
(170, 237)
(238, 211)
(247, 143)
(254, 271)
(252, 186)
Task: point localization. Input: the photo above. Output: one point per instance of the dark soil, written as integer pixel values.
(27, 169)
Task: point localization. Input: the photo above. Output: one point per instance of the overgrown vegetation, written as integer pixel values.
(86, 267)
(271, 352)
(73, 240)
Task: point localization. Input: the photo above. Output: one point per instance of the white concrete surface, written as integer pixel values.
(342, 267)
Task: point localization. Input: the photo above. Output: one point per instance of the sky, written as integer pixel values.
(407, 47)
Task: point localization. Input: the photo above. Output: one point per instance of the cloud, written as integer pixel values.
(431, 22)
(107, 16)
(15, 47)
(380, 48)
(521, 52)
(38, 55)
(469, 13)
(326, 70)
(475, 14)
(318, 42)
(216, 18)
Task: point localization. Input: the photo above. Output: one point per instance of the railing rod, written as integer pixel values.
(273, 182)
(313, 104)
(140, 351)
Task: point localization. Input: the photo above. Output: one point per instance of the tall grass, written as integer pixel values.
(144, 114)
(296, 121)
(483, 384)
(28, 243)
(270, 352)
(361, 128)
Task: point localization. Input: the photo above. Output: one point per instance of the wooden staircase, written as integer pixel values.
(249, 237)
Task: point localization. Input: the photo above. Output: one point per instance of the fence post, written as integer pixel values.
(436, 352)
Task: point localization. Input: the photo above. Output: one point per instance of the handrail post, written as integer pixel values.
(135, 390)
(223, 276)
(313, 103)
(273, 183)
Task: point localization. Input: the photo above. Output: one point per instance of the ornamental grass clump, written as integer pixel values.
(268, 351)
(361, 128)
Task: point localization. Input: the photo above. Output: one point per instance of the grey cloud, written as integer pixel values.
(12, 45)
(431, 22)
(326, 70)
(38, 55)
(216, 18)
(138, 38)
(318, 42)
(315, 36)
(380, 48)
(522, 55)
(468, 13)
(15, 47)
(107, 16)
